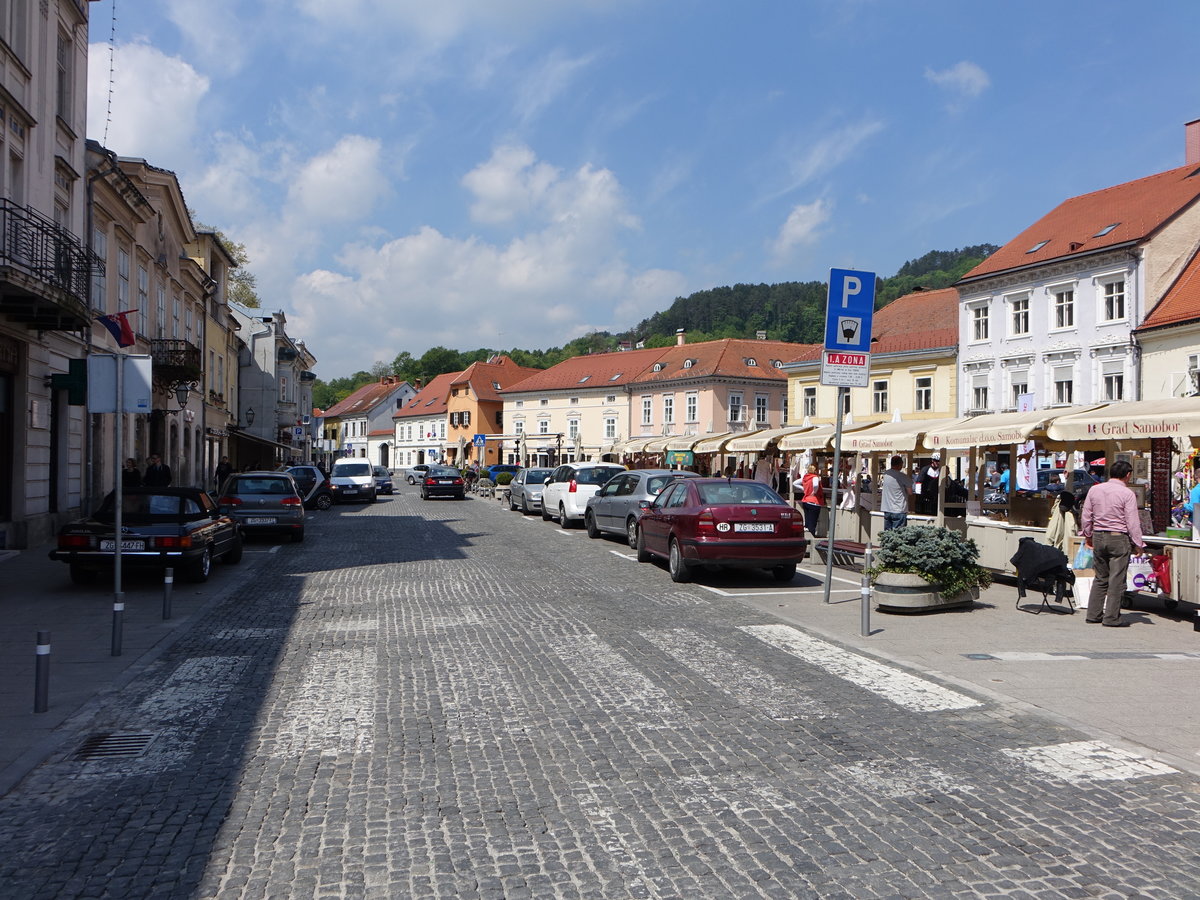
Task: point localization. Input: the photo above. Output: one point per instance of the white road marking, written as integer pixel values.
(628, 556)
(332, 710)
(1017, 656)
(616, 685)
(781, 592)
(1082, 761)
(897, 686)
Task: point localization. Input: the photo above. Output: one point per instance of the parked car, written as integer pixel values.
(264, 503)
(416, 473)
(443, 481)
(615, 509)
(1082, 480)
(567, 490)
(352, 479)
(723, 522)
(161, 527)
(313, 485)
(383, 480)
(525, 490)
(495, 469)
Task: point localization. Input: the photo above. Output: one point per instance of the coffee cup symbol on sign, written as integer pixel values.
(849, 329)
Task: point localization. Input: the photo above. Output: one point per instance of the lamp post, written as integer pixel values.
(250, 416)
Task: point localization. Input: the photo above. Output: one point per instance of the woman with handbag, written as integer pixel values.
(812, 499)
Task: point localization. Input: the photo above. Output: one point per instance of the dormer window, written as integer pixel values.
(658, 367)
(688, 363)
(1105, 230)
(1038, 246)
(496, 385)
(583, 379)
(777, 363)
(750, 361)
(615, 377)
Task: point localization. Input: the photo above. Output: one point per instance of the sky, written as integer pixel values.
(473, 174)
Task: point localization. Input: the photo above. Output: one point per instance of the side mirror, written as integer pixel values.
(645, 504)
(549, 479)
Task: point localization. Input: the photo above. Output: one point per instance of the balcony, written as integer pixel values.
(175, 362)
(308, 376)
(45, 272)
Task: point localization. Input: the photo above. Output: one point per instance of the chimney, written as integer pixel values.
(680, 337)
(1191, 132)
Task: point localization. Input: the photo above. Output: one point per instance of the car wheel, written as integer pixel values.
(324, 501)
(631, 532)
(784, 573)
(589, 522)
(562, 517)
(298, 536)
(643, 555)
(82, 575)
(411, 480)
(424, 496)
(233, 555)
(202, 567)
(512, 502)
(678, 567)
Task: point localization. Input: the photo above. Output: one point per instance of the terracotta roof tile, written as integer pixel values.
(364, 399)
(430, 400)
(1076, 226)
(590, 371)
(1181, 302)
(484, 376)
(729, 358)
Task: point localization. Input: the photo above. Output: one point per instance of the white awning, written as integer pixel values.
(637, 444)
(1131, 420)
(712, 443)
(892, 437)
(682, 441)
(817, 437)
(995, 429)
(758, 441)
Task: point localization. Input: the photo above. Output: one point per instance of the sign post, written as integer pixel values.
(845, 363)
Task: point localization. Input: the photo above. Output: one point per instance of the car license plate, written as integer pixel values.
(261, 520)
(754, 526)
(125, 545)
(445, 481)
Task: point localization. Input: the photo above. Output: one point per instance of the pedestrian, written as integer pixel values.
(223, 471)
(895, 489)
(1064, 522)
(130, 475)
(1005, 478)
(1112, 529)
(812, 499)
(1193, 500)
(926, 487)
(157, 474)
(765, 469)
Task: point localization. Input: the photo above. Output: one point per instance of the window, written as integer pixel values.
(1105, 230)
(979, 323)
(760, 409)
(520, 403)
(1018, 385)
(923, 401)
(810, 401)
(123, 280)
(980, 399)
(611, 398)
(519, 426)
(160, 312)
(143, 295)
(63, 92)
(879, 396)
(668, 409)
(610, 428)
(1113, 374)
(735, 408)
(1020, 316)
(1064, 308)
(283, 389)
(175, 317)
(1064, 384)
(187, 324)
(1036, 247)
(1114, 300)
(692, 407)
(845, 402)
(212, 369)
(544, 402)
(574, 401)
(647, 411)
(573, 429)
(100, 246)
(544, 426)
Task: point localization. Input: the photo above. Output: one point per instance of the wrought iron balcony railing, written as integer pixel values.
(175, 362)
(46, 271)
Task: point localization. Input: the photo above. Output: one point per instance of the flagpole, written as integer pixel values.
(119, 494)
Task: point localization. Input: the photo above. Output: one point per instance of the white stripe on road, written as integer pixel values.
(895, 685)
(332, 710)
(1082, 761)
(628, 556)
(778, 592)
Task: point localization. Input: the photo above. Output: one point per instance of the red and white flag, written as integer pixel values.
(118, 327)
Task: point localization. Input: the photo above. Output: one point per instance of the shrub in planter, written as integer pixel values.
(941, 556)
(503, 478)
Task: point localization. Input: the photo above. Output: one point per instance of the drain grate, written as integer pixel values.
(114, 746)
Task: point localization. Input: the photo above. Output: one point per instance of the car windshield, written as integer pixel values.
(537, 476)
(734, 492)
(381, 471)
(145, 507)
(260, 486)
(352, 469)
(595, 476)
(443, 471)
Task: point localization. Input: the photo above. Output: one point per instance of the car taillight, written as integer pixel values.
(572, 487)
(429, 480)
(74, 542)
(793, 522)
(230, 501)
(290, 501)
(706, 522)
(171, 542)
(458, 481)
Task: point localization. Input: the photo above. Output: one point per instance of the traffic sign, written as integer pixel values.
(849, 308)
(479, 440)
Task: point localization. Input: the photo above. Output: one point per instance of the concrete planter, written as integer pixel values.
(903, 592)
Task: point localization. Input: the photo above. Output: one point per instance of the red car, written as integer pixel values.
(721, 522)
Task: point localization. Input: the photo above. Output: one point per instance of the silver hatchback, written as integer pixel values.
(615, 509)
(525, 490)
(264, 503)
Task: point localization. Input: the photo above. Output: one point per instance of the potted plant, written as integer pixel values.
(924, 568)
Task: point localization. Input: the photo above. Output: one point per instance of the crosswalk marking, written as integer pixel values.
(1082, 761)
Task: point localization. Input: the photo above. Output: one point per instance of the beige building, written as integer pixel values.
(1169, 340)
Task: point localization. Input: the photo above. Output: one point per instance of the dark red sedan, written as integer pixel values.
(721, 522)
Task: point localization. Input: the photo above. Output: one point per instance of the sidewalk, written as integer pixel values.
(37, 595)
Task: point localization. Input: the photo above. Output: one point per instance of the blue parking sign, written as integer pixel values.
(848, 310)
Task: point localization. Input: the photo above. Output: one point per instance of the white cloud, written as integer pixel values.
(814, 160)
(964, 80)
(801, 227)
(547, 83)
(508, 185)
(214, 30)
(155, 99)
(339, 186)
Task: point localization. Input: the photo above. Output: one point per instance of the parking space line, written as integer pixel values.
(776, 593)
(628, 556)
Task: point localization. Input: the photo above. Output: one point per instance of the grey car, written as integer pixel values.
(614, 508)
(525, 490)
(264, 503)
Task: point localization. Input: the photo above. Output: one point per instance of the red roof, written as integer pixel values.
(1181, 302)
(727, 358)
(922, 320)
(590, 371)
(430, 400)
(365, 398)
(1080, 225)
(486, 378)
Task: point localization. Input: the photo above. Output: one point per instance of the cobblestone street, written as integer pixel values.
(447, 699)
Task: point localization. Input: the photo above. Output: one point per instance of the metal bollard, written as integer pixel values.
(865, 624)
(118, 620)
(168, 586)
(41, 675)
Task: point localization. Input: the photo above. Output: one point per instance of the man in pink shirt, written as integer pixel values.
(1110, 526)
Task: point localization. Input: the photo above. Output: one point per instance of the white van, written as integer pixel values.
(352, 479)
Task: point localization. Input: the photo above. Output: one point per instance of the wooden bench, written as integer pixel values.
(846, 554)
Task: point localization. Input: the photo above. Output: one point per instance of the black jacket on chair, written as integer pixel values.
(1041, 567)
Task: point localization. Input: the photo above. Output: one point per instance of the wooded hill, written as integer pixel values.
(789, 311)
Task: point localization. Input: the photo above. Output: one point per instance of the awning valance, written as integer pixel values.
(996, 429)
(758, 441)
(711, 443)
(892, 437)
(637, 444)
(817, 437)
(1174, 417)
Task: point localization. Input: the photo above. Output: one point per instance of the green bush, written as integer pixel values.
(938, 555)
(503, 478)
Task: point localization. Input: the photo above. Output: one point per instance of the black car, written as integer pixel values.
(383, 480)
(1083, 480)
(161, 527)
(443, 481)
(313, 485)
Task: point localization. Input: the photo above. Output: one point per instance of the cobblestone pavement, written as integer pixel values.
(444, 699)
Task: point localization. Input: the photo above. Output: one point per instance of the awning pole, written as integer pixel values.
(833, 502)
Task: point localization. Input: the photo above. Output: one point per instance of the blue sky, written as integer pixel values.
(478, 173)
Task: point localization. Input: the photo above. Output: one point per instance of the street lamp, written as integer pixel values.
(250, 416)
(181, 394)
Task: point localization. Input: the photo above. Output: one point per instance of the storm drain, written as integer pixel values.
(114, 746)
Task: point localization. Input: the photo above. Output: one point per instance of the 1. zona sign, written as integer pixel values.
(846, 359)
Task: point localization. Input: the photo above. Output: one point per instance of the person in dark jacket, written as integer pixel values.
(158, 474)
(130, 476)
(223, 471)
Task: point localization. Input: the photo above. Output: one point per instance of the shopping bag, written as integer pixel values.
(1161, 564)
(1140, 574)
(1082, 588)
(1083, 558)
